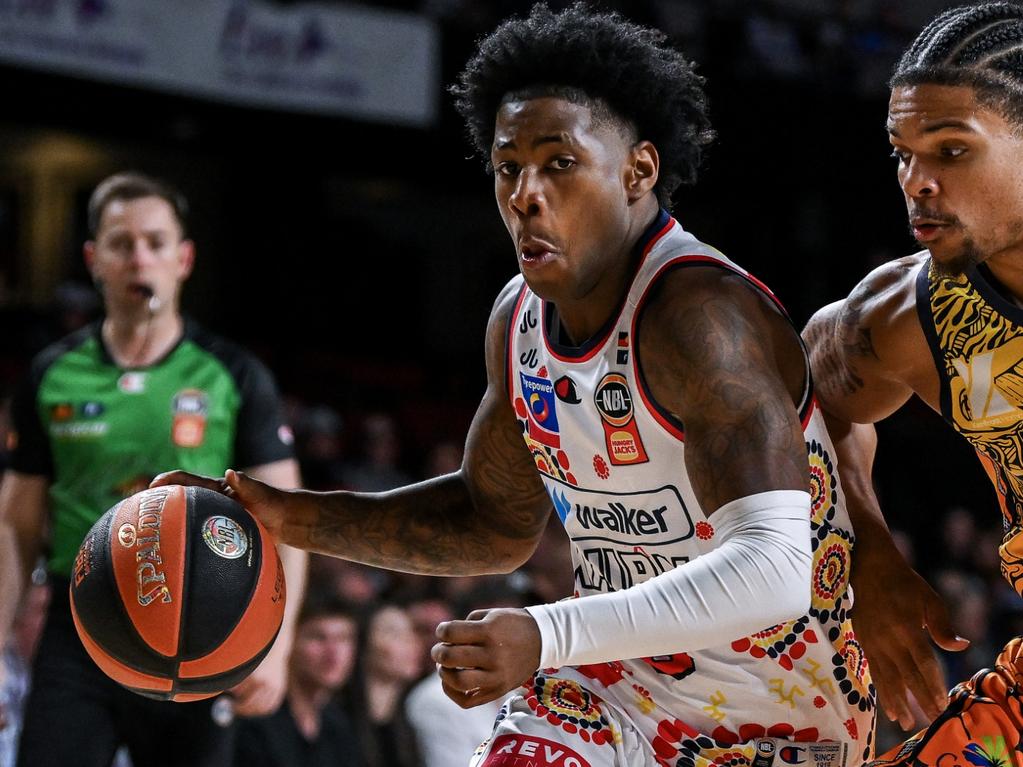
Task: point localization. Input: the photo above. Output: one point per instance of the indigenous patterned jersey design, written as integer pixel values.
(613, 462)
(976, 337)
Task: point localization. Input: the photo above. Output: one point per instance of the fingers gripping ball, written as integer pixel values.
(177, 593)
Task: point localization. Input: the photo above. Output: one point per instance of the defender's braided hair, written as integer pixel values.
(620, 70)
(980, 46)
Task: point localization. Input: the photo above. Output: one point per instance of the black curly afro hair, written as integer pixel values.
(596, 58)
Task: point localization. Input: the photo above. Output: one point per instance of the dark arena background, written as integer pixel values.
(345, 233)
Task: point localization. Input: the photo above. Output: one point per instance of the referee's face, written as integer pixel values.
(138, 255)
(561, 179)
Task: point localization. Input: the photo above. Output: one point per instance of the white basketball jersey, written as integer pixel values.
(613, 462)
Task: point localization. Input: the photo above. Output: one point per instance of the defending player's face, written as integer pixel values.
(558, 178)
(960, 166)
(139, 253)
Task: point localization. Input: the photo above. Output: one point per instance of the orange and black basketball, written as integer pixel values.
(177, 593)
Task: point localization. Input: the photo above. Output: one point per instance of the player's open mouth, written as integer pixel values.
(534, 251)
(925, 231)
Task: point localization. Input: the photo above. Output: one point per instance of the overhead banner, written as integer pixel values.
(311, 57)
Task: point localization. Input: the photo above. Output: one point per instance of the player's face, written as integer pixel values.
(139, 253)
(559, 182)
(323, 654)
(960, 166)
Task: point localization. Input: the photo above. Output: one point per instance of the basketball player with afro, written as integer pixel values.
(655, 396)
(944, 324)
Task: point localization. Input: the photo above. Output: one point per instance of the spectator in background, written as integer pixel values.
(390, 662)
(443, 458)
(100, 413)
(447, 734)
(17, 661)
(318, 431)
(427, 611)
(310, 729)
(381, 453)
(353, 582)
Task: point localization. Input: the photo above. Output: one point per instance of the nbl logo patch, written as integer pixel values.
(225, 537)
(540, 399)
(614, 403)
(190, 408)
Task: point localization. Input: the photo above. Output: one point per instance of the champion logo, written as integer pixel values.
(564, 387)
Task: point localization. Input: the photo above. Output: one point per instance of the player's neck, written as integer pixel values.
(135, 342)
(1008, 270)
(583, 316)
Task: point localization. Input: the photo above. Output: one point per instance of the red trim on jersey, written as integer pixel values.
(510, 343)
(813, 405)
(805, 409)
(611, 325)
(732, 268)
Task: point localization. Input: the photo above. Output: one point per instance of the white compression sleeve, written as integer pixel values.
(757, 577)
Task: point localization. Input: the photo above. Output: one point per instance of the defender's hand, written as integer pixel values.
(894, 614)
(487, 655)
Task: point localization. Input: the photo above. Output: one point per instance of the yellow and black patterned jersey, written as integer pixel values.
(976, 336)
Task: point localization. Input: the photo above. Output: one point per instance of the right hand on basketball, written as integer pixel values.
(895, 612)
(264, 502)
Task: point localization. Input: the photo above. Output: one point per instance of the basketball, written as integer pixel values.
(177, 593)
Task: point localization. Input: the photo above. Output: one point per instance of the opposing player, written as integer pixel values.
(656, 396)
(944, 324)
(101, 412)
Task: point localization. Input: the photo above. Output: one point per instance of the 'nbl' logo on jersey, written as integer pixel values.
(614, 403)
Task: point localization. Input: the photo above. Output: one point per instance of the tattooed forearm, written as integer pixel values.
(430, 528)
(395, 530)
(484, 518)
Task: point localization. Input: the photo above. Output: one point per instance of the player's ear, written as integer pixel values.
(642, 172)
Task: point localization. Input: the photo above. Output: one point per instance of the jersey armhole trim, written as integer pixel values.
(925, 315)
(671, 424)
